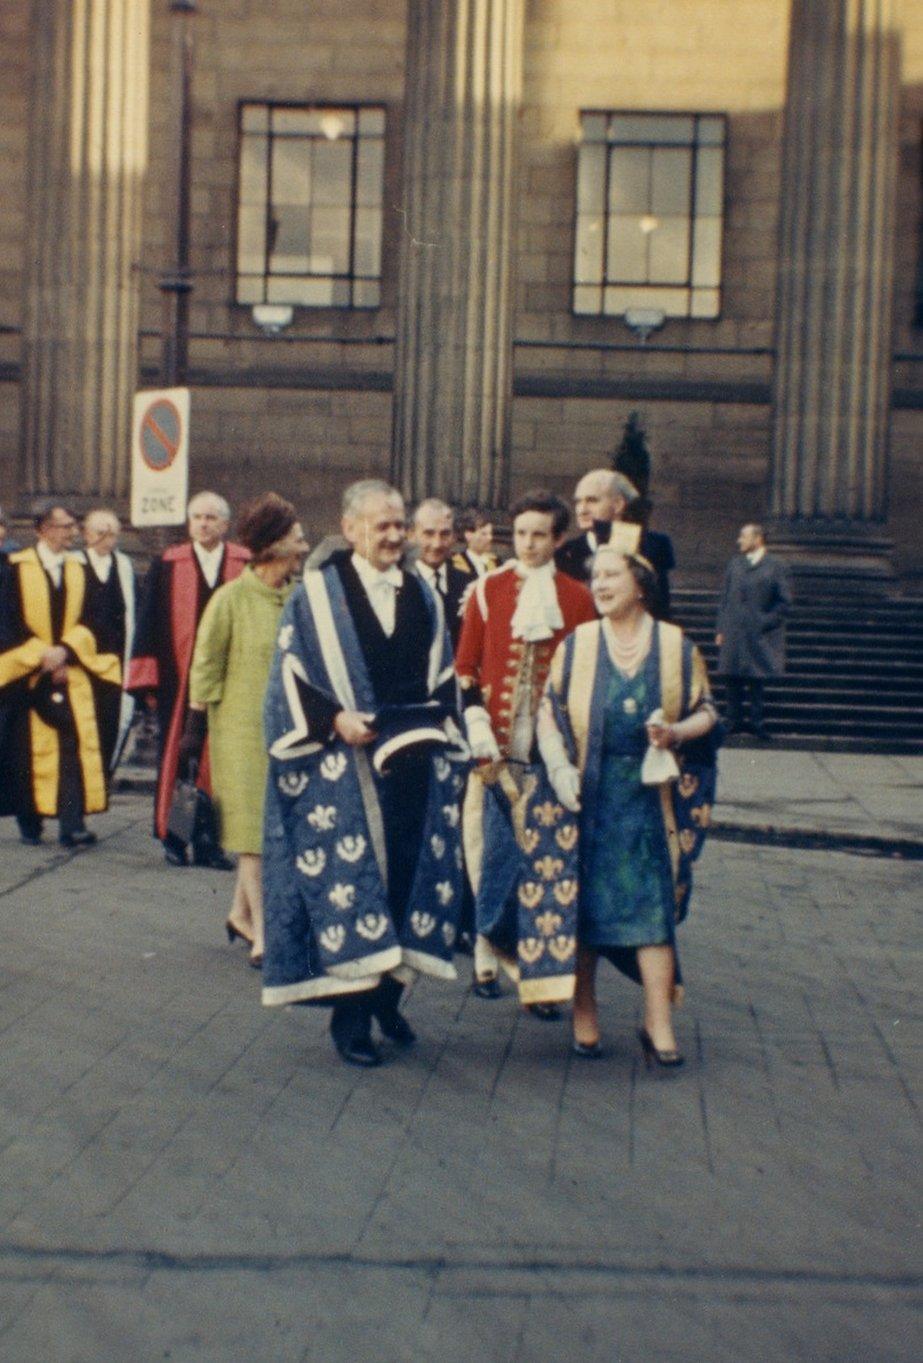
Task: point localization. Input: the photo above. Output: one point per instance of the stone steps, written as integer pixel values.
(854, 674)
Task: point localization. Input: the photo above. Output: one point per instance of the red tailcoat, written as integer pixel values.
(489, 660)
(175, 595)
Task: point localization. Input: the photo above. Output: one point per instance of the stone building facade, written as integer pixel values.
(801, 401)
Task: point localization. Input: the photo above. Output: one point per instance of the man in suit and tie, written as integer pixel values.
(433, 534)
(477, 558)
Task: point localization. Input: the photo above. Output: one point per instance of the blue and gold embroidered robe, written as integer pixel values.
(677, 682)
(329, 927)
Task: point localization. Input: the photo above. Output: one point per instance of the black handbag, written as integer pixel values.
(192, 817)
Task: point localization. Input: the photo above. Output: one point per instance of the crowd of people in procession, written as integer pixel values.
(412, 748)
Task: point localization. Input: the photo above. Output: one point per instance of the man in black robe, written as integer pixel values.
(601, 500)
(54, 682)
(110, 587)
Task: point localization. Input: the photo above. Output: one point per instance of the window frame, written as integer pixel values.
(354, 107)
(692, 146)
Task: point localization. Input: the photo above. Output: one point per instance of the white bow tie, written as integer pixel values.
(391, 577)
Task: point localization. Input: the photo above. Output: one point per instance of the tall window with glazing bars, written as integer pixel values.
(309, 211)
(650, 199)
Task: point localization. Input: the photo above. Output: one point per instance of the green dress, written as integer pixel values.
(627, 898)
(234, 649)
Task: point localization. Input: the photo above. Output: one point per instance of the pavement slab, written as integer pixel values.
(186, 1175)
(833, 795)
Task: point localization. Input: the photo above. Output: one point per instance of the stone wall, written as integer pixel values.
(308, 411)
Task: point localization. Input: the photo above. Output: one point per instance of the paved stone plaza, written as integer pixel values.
(188, 1176)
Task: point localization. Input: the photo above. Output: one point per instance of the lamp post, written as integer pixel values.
(176, 280)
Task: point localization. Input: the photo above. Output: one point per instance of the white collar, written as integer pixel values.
(433, 574)
(209, 561)
(371, 576)
(756, 556)
(538, 611)
(100, 563)
(48, 558)
(208, 555)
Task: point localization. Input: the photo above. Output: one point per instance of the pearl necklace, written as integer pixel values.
(629, 656)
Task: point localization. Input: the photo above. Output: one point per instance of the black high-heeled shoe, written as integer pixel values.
(233, 934)
(587, 1050)
(670, 1060)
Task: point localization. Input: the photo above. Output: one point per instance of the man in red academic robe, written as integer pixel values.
(178, 587)
(515, 618)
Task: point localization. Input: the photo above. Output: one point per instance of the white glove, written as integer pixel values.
(480, 735)
(565, 781)
(563, 775)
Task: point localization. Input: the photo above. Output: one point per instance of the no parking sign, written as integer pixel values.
(160, 457)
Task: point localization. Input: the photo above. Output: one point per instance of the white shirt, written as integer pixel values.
(756, 556)
(381, 590)
(436, 577)
(100, 563)
(478, 563)
(209, 561)
(52, 563)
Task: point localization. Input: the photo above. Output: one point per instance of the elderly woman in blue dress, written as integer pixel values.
(624, 734)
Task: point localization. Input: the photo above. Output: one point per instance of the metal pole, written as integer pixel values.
(176, 281)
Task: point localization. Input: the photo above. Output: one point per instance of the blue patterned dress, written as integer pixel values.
(627, 897)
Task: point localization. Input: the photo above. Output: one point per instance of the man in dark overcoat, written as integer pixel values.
(755, 600)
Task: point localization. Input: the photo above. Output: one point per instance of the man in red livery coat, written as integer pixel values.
(515, 618)
(178, 587)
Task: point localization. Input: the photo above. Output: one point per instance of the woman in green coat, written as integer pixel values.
(234, 648)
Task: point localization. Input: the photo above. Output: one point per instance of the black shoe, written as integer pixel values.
(358, 1050)
(587, 1050)
(81, 837)
(396, 1028)
(670, 1060)
(31, 839)
(486, 989)
(175, 856)
(213, 861)
(545, 1012)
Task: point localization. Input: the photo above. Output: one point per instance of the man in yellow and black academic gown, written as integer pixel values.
(53, 681)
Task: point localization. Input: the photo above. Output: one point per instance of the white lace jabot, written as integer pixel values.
(537, 614)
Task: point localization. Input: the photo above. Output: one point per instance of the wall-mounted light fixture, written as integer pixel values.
(271, 318)
(643, 321)
(331, 125)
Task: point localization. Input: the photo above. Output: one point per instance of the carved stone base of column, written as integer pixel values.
(833, 558)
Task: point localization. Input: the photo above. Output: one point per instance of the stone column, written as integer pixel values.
(453, 378)
(87, 157)
(832, 380)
